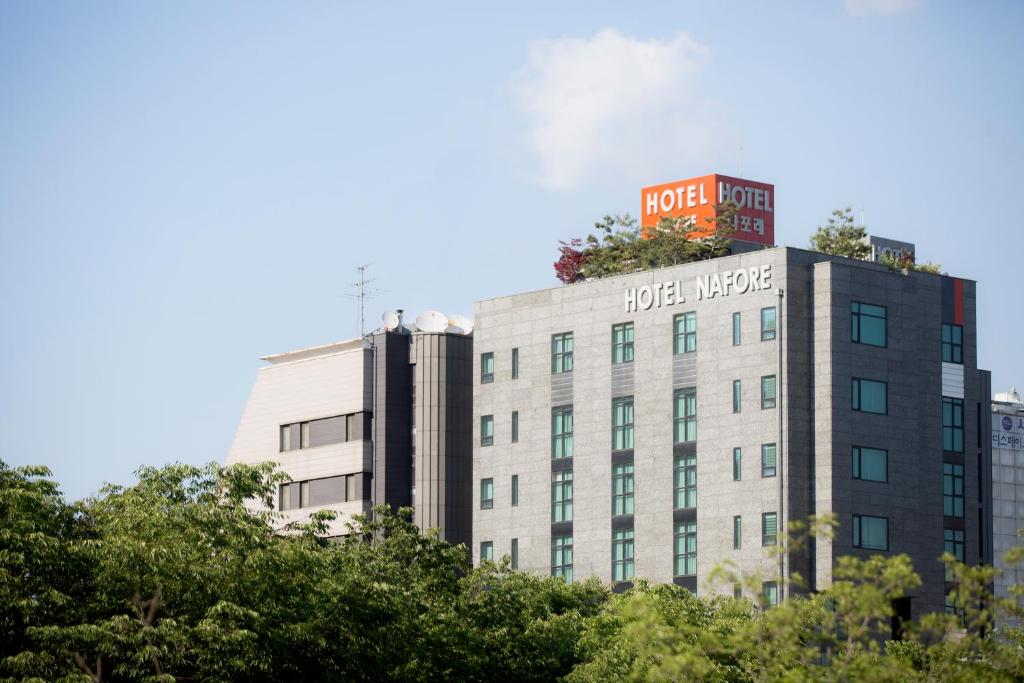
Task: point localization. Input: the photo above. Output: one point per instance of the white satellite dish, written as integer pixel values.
(464, 324)
(390, 320)
(432, 321)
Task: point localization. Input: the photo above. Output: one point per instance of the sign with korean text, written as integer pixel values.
(1008, 432)
(695, 201)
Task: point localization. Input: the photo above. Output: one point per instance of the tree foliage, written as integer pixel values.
(840, 236)
(620, 246)
(177, 578)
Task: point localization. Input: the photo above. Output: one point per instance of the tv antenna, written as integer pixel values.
(363, 291)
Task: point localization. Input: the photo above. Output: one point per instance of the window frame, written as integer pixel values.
(769, 539)
(952, 500)
(623, 555)
(769, 402)
(955, 428)
(561, 550)
(487, 360)
(684, 333)
(954, 346)
(684, 560)
(737, 396)
(515, 426)
(684, 420)
(858, 532)
(561, 496)
(622, 431)
(515, 363)
(737, 329)
(561, 353)
(857, 395)
(857, 312)
(769, 333)
(684, 481)
(487, 487)
(951, 544)
(622, 343)
(486, 435)
(737, 532)
(772, 470)
(770, 593)
(515, 491)
(857, 465)
(623, 489)
(561, 441)
(487, 551)
(737, 463)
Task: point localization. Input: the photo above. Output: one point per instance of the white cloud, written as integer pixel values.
(863, 8)
(613, 101)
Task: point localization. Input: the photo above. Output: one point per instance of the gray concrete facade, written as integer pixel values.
(812, 424)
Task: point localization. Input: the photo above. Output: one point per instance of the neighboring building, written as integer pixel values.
(1007, 485)
(661, 423)
(380, 419)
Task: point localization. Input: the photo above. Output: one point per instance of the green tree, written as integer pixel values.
(841, 237)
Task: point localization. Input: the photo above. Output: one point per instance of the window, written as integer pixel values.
(684, 415)
(954, 540)
(622, 555)
(868, 324)
(735, 329)
(952, 490)
(768, 468)
(561, 353)
(622, 343)
(514, 559)
(622, 490)
(767, 324)
(686, 549)
(952, 343)
(767, 392)
(622, 423)
(486, 368)
(737, 395)
(685, 479)
(561, 557)
(486, 430)
(321, 432)
(515, 363)
(737, 532)
(871, 533)
(870, 464)
(561, 432)
(515, 490)
(769, 529)
(315, 492)
(561, 496)
(685, 333)
(486, 494)
(515, 426)
(953, 424)
(487, 551)
(770, 593)
(737, 464)
(870, 396)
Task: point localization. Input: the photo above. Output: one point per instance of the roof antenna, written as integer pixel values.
(363, 292)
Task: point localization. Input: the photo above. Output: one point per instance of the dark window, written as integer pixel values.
(768, 465)
(870, 396)
(515, 426)
(561, 557)
(622, 423)
(952, 490)
(486, 430)
(767, 324)
(561, 496)
(321, 432)
(561, 353)
(737, 464)
(515, 490)
(316, 492)
(954, 543)
(770, 593)
(737, 532)
(684, 415)
(487, 551)
(686, 549)
(952, 343)
(622, 343)
(685, 480)
(767, 392)
(737, 395)
(870, 464)
(684, 335)
(486, 494)
(486, 368)
(515, 363)
(871, 533)
(868, 324)
(622, 490)
(953, 424)
(769, 529)
(736, 329)
(514, 559)
(561, 432)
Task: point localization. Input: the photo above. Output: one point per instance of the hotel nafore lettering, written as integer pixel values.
(670, 292)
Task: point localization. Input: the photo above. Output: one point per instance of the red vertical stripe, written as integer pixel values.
(958, 301)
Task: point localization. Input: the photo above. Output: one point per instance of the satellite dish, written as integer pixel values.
(464, 324)
(390, 320)
(432, 321)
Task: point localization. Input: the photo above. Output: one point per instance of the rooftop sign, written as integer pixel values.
(695, 199)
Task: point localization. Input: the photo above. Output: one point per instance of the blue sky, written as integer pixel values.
(187, 186)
